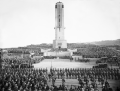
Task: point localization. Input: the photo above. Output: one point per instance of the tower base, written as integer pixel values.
(59, 44)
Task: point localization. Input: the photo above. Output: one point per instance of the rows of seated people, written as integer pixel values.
(110, 60)
(17, 61)
(18, 52)
(96, 52)
(59, 49)
(23, 54)
(82, 60)
(60, 57)
(50, 57)
(65, 57)
(37, 80)
(88, 52)
(24, 50)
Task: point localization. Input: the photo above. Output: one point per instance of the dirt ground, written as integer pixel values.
(63, 63)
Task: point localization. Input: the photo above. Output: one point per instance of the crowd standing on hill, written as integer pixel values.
(96, 52)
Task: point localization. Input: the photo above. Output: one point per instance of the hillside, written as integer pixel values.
(107, 42)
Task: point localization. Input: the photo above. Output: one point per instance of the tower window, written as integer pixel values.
(62, 6)
(55, 6)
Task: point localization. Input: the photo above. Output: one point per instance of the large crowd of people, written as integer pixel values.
(38, 79)
(87, 51)
(29, 79)
(60, 57)
(16, 62)
(24, 50)
(14, 78)
(110, 60)
(96, 52)
(82, 60)
(106, 73)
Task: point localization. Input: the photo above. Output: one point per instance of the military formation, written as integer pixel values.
(28, 79)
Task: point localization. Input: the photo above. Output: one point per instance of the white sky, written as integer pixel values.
(25, 22)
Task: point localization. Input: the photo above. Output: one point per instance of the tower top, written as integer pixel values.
(59, 3)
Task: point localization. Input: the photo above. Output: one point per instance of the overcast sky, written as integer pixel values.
(25, 22)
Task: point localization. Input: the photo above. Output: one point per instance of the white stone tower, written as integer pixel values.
(59, 41)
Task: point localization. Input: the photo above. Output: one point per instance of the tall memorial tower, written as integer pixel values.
(59, 41)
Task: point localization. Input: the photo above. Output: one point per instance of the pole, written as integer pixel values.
(0, 59)
(51, 64)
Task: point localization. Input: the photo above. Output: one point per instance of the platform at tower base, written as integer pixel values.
(58, 52)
